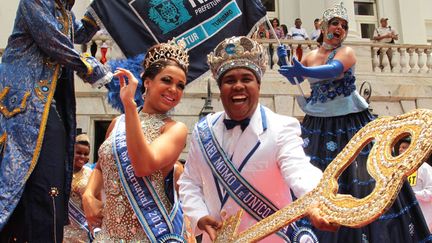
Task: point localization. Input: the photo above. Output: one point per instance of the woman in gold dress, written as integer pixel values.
(136, 160)
(76, 231)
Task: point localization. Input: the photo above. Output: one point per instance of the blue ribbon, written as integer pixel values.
(77, 215)
(151, 213)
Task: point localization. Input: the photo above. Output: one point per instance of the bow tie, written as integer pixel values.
(230, 124)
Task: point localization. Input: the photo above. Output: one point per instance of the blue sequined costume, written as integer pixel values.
(334, 113)
(37, 106)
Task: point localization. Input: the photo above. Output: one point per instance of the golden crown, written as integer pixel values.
(338, 11)
(236, 52)
(171, 50)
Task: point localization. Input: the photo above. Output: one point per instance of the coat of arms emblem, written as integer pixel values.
(168, 15)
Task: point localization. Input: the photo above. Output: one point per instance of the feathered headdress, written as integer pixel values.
(134, 65)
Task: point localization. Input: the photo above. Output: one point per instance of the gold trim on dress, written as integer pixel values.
(42, 89)
(90, 21)
(2, 143)
(3, 138)
(86, 63)
(43, 123)
(5, 111)
(65, 19)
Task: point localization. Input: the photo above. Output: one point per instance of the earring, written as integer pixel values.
(144, 94)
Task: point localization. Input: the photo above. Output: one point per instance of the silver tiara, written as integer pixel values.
(237, 52)
(338, 11)
(171, 50)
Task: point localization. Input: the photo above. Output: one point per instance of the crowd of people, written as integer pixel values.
(281, 32)
(244, 157)
(383, 34)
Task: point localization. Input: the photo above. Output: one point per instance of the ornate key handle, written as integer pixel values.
(388, 171)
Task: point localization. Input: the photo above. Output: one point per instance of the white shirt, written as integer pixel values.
(384, 31)
(230, 139)
(421, 183)
(315, 34)
(298, 34)
(273, 154)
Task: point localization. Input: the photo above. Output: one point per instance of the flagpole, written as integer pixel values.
(288, 63)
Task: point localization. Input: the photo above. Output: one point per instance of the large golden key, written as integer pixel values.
(388, 171)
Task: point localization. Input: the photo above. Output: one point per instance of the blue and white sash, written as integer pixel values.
(159, 225)
(77, 215)
(237, 187)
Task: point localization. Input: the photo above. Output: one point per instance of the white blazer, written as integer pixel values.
(274, 162)
(423, 190)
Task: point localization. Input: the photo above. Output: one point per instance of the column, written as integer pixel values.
(309, 11)
(412, 26)
(288, 11)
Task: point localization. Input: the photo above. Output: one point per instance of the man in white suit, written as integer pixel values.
(246, 157)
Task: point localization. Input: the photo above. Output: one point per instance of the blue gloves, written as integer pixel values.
(282, 54)
(332, 69)
(293, 72)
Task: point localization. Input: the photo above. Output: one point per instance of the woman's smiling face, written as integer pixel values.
(165, 90)
(338, 29)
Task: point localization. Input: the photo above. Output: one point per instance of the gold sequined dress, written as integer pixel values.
(119, 222)
(73, 233)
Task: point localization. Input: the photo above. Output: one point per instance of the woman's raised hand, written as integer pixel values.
(296, 71)
(128, 86)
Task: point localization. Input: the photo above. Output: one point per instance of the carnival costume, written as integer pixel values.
(38, 114)
(334, 113)
(77, 231)
(120, 221)
(266, 158)
(139, 209)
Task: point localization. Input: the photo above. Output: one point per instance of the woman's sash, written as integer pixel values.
(158, 225)
(77, 215)
(237, 187)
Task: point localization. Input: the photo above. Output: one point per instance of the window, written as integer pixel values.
(364, 8)
(367, 30)
(429, 31)
(272, 8)
(366, 17)
(269, 5)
